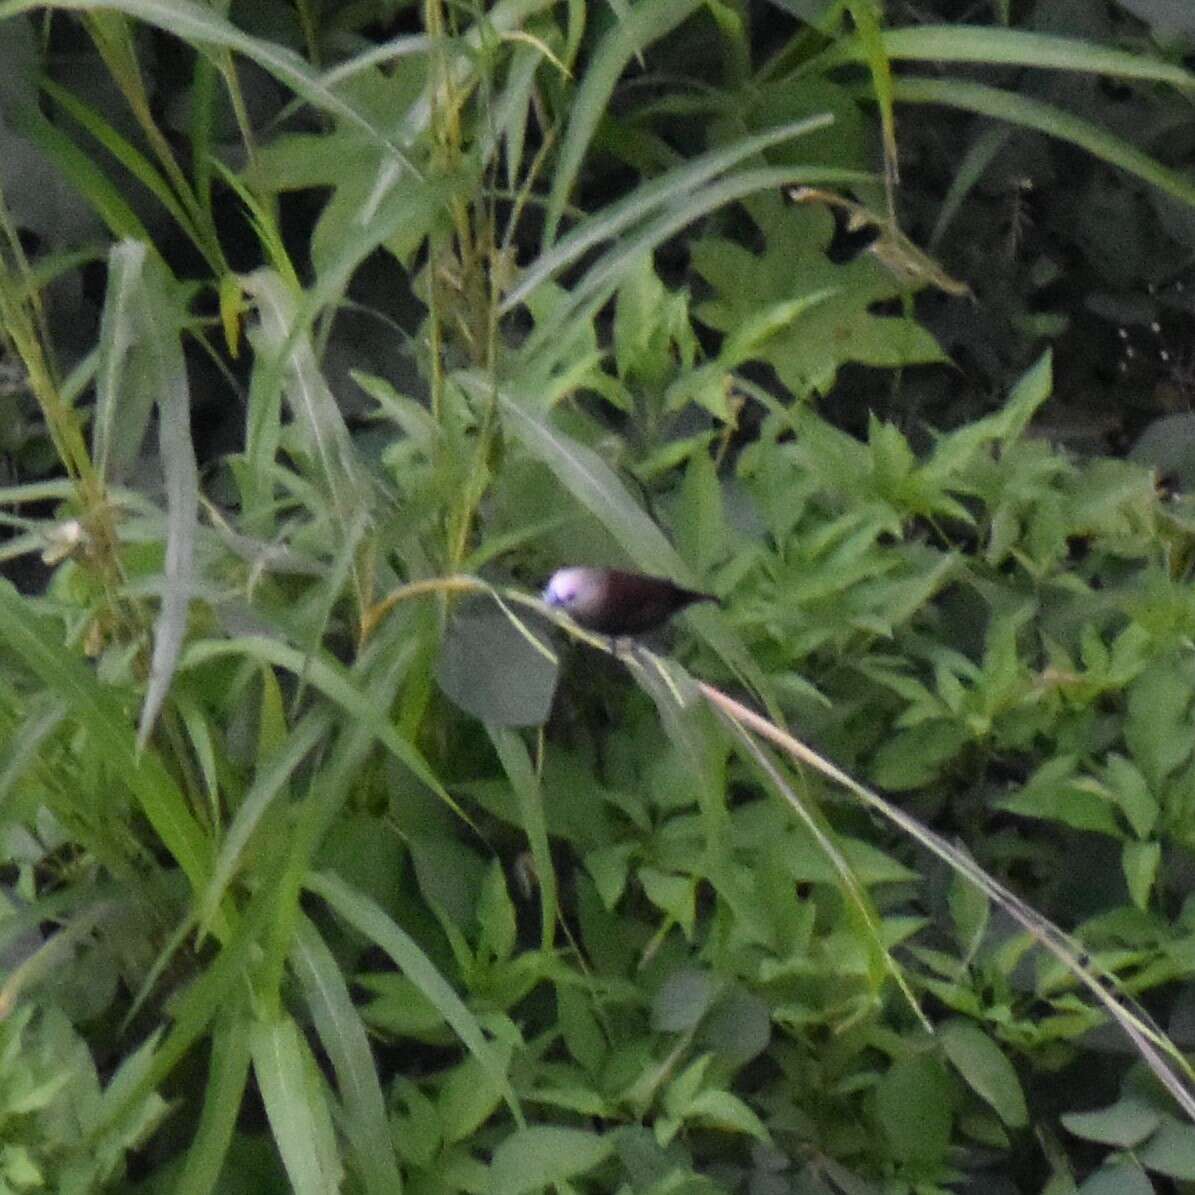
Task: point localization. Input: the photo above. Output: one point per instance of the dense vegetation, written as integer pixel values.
(332, 860)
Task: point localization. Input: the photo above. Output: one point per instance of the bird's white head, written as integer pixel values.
(566, 586)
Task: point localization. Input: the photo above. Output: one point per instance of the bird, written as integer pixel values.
(611, 601)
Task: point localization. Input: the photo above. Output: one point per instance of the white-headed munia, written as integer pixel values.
(613, 602)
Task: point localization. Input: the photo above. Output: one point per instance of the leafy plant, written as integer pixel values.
(325, 816)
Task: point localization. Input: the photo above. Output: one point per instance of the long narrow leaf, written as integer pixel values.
(295, 1105)
(1045, 118)
(160, 321)
(82, 173)
(649, 20)
(367, 917)
(272, 775)
(343, 1037)
(127, 154)
(1018, 47)
(228, 1071)
(334, 682)
(647, 198)
(516, 762)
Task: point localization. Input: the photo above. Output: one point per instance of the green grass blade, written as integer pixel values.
(272, 776)
(228, 1071)
(648, 198)
(606, 274)
(649, 21)
(127, 154)
(40, 721)
(368, 918)
(296, 1106)
(343, 1037)
(83, 174)
(516, 763)
(1033, 114)
(200, 25)
(204, 1000)
(1016, 47)
(335, 683)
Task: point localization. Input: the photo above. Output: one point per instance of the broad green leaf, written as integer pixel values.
(914, 1108)
(502, 674)
(1122, 1176)
(1125, 1124)
(986, 1069)
(1140, 861)
(1171, 1150)
(724, 1110)
(684, 998)
(542, 1155)
(468, 1098)
(1159, 713)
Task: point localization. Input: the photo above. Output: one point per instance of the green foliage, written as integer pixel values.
(305, 808)
(57, 1131)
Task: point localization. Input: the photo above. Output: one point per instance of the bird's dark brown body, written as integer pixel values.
(614, 602)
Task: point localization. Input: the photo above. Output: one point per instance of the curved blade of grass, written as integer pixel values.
(199, 24)
(123, 401)
(516, 763)
(1045, 118)
(51, 956)
(975, 161)
(17, 755)
(648, 197)
(202, 1002)
(228, 1071)
(142, 365)
(167, 375)
(271, 778)
(606, 274)
(296, 1106)
(311, 401)
(648, 21)
(1015, 47)
(1149, 1042)
(865, 14)
(334, 682)
(82, 173)
(368, 918)
(343, 1037)
(123, 150)
(855, 894)
(101, 713)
